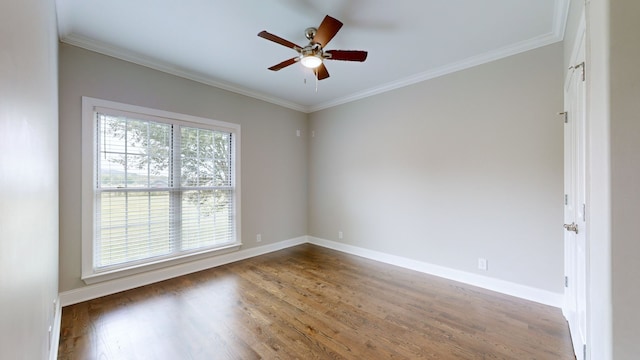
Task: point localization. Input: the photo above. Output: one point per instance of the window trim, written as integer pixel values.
(89, 150)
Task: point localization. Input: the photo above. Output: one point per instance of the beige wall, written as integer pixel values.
(624, 108)
(463, 166)
(28, 177)
(274, 183)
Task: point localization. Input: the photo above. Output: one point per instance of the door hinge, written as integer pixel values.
(566, 199)
(584, 351)
(565, 114)
(584, 212)
(566, 281)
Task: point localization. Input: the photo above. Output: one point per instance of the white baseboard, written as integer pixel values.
(109, 287)
(55, 331)
(113, 286)
(505, 287)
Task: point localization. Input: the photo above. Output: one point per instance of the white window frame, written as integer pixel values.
(89, 169)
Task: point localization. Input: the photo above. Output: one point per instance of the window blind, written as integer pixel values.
(162, 189)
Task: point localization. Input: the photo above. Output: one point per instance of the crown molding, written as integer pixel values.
(142, 60)
(63, 12)
(561, 16)
(444, 70)
(561, 11)
(559, 24)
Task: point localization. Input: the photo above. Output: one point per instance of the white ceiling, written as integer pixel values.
(216, 42)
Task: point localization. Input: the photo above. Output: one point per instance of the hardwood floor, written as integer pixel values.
(309, 302)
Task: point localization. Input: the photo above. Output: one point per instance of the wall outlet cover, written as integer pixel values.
(483, 264)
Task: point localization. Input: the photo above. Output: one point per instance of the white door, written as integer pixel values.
(575, 210)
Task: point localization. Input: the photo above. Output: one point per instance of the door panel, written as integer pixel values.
(575, 212)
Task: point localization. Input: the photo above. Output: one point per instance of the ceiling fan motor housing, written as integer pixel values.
(310, 33)
(311, 50)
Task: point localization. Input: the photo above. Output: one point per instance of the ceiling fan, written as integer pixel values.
(313, 55)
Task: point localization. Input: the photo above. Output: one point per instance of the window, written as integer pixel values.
(158, 188)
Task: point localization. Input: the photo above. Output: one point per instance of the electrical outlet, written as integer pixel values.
(297, 132)
(258, 237)
(340, 236)
(483, 264)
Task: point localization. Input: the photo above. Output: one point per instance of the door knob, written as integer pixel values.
(571, 227)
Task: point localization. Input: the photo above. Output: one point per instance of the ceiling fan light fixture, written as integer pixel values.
(313, 55)
(311, 61)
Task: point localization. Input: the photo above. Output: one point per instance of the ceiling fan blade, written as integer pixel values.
(276, 39)
(284, 64)
(346, 55)
(327, 30)
(321, 72)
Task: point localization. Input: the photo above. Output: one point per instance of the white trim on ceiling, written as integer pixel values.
(561, 11)
(168, 68)
(561, 15)
(443, 70)
(63, 11)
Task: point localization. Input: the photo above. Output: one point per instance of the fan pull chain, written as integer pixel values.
(314, 72)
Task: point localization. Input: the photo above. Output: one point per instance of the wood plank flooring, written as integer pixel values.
(309, 302)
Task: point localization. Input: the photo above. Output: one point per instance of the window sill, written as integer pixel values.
(97, 277)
